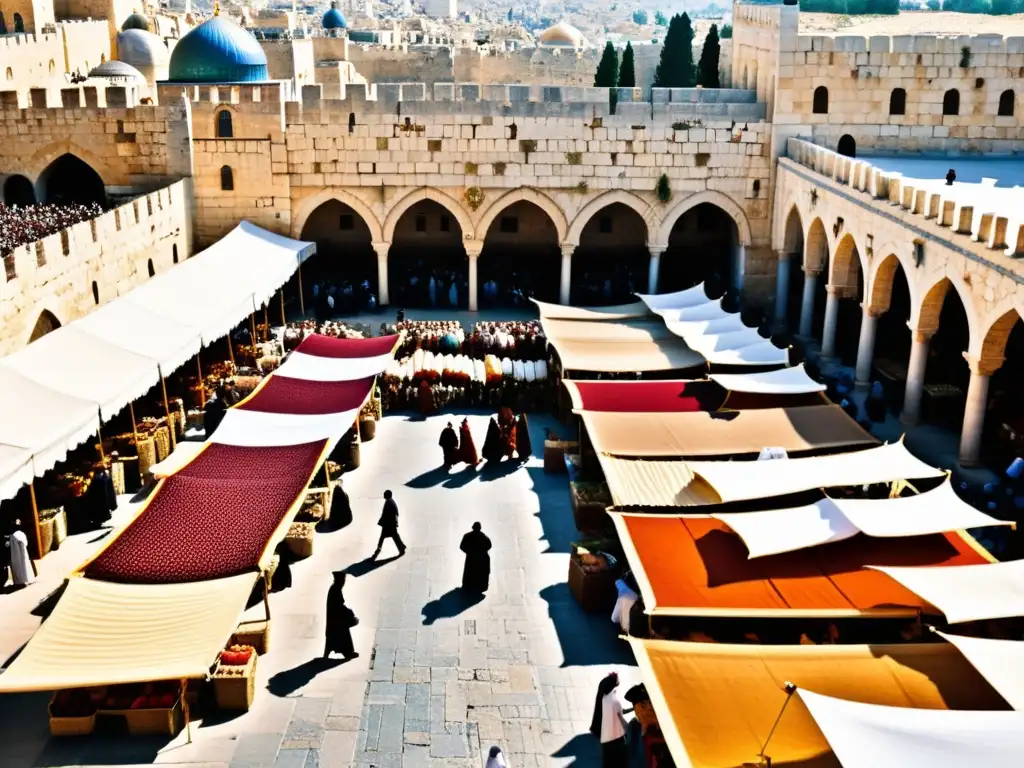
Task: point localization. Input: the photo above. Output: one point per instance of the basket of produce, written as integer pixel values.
(314, 506)
(554, 455)
(149, 709)
(367, 427)
(253, 633)
(300, 539)
(234, 679)
(60, 527)
(73, 711)
(147, 454)
(162, 438)
(46, 529)
(589, 502)
(592, 576)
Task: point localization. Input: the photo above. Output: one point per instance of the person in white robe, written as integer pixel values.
(22, 570)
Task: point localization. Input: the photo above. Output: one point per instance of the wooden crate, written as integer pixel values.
(594, 591)
(236, 692)
(155, 722)
(300, 545)
(554, 455)
(70, 726)
(254, 633)
(589, 515)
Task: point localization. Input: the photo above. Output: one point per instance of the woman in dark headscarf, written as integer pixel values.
(340, 513)
(608, 724)
(492, 443)
(340, 620)
(524, 448)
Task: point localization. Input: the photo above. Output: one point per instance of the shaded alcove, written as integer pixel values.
(702, 248)
(18, 190)
(794, 288)
(947, 374)
(847, 279)
(344, 258)
(612, 260)
(427, 250)
(1004, 424)
(69, 179)
(45, 323)
(520, 258)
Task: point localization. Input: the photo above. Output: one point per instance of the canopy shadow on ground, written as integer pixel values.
(112, 749)
(586, 639)
(555, 510)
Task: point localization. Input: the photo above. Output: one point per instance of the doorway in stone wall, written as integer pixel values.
(69, 179)
(520, 259)
(612, 259)
(427, 263)
(702, 248)
(18, 191)
(344, 261)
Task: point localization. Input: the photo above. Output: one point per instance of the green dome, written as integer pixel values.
(136, 21)
(218, 51)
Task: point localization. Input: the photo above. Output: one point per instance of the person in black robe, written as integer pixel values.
(215, 410)
(100, 497)
(283, 575)
(449, 443)
(476, 573)
(340, 513)
(524, 448)
(388, 523)
(340, 620)
(492, 450)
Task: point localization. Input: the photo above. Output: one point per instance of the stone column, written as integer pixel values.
(381, 249)
(866, 348)
(807, 302)
(919, 344)
(652, 273)
(473, 249)
(828, 334)
(974, 411)
(740, 267)
(782, 288)
(566, 278)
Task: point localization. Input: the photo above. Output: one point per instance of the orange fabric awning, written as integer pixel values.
(697, 567)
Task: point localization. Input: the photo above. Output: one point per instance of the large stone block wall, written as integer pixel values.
(31, 61)
(114, 251)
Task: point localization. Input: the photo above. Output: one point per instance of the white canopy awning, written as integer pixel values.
(260, 429)
(658, 302)
(784, 381)
(618, 312)
(774, 531)
(57, 389)
(299, 365)
(1000, 662)
(103, 633)
(877, 736)
(967, 592)
(184, 452)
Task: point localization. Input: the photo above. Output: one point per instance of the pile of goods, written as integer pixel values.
(77, 702)
(515, 340)
(294, 333)
(300, 539)
(445, 336)
(233, 679)
(235, 660)
(592, 575)
(161, 695)
(589, 504)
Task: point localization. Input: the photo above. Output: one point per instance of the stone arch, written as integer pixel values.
(925, 317)
(880, 280)
(45, 323)
(311, 203)
(816, 246)
(44, 157)
(428, 193)
(70, 178)
(791, 229)
(993, 342)
(713, 197)
(603, 200)
(529, 195)
(841, 265)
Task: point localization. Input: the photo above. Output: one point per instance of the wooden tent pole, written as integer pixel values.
(252, 330)
(99, 435)
(135, 429)
(35, 519)
(266, 593)
(167, 410)
(266, 322)
(284, 319)
(231, 350)
(185, 710)
(302, 300)
(202, 387)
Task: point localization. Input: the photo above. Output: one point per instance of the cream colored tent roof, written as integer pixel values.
(716, 703)
(809, 428)
(695, 483)
(629, 345)
(620, 332)
(784, 381)
(618, 312)
(1001, 662)
(105, 633)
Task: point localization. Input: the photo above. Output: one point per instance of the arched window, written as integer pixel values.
(225, 130)
(820, 100)
(951, 102)
(351, 121)
(898, 102)
(174, 253)
(152, 269)
(19, 24)
(103, 58)
(95, 292)
(847, 146)
(1006, 101)
(9, 74)
(227, 179)
(53, 66)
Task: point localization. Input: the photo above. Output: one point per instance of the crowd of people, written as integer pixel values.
(518, 340)
(20, 225)
(349, 298)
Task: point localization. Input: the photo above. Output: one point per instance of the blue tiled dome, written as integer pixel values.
(334, 19)
(218, 51)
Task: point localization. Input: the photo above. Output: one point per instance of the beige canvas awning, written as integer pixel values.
(626, 358)
(678, 483)
(617, 312)
(717, 703)
(728, 433)
(102, 633)
(626, 331)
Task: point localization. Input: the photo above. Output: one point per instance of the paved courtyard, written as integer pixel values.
(439, 679)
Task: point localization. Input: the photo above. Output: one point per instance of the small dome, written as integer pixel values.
(141, 49)
(218, 51)
(562, 34)
(136, 21)
(116, 70)
(334, 19)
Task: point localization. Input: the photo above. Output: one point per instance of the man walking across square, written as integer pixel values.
(389, 525)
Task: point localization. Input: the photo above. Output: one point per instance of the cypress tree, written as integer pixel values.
(607, 75)
(707, 71)
(666, 75)
(627, 72)
(688, 73)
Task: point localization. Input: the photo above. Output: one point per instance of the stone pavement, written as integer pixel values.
(440, 678)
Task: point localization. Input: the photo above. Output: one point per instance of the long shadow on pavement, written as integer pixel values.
(583, 748)
(429, 479)
(449, 605)
(586, 639)
(555, 509)
(368, 565)
(288, 681)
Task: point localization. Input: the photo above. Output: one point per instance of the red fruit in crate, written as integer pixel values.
(139, 703)
(154, 701)
(167, 700)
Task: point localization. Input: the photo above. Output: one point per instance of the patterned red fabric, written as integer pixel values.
(206, 523)
(327, 346)
(282, 394)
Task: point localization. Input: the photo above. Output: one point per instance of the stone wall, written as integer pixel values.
(31, 61)
(114, 251)
(86, 45)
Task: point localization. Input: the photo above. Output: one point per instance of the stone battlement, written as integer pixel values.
(70, 97)
(914, 44)
(10, 43)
